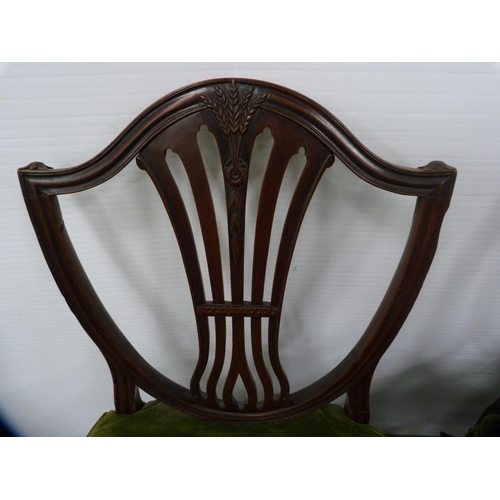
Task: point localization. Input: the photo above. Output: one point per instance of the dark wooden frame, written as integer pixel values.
(235, 112)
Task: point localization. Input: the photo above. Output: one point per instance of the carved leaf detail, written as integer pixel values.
(234, 203)
(219, 112)
(436, 166)
(235, 225)
(235, 250)
(234, 112)
(246, 97)
(253, 108)
(221, 96)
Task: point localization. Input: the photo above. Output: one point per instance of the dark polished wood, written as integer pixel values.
(236, 112)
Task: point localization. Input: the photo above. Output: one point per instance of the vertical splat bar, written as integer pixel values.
(317, 161)
(182, 140)
(236, 189)
(220, 354)
(235, 147)
(153, 161)
(286, 143)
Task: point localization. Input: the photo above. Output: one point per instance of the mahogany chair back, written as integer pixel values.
(236, 112)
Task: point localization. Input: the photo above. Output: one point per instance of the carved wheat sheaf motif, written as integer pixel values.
(234, 111)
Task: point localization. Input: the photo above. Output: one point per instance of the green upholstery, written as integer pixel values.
(156, 419)
(488, 426)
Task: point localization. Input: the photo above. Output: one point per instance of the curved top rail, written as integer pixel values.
(434, 179)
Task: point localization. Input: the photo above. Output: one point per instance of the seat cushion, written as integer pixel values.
(488, 426)
(156, 419)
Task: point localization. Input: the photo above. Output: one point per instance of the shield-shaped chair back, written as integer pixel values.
(235, 112)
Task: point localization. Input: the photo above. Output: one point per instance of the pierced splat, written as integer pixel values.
(238, 334)
(235, 135)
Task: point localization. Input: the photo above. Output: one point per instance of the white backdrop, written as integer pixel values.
(442, 369)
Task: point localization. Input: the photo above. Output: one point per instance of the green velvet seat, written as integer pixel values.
(156, 419)
(488, 424)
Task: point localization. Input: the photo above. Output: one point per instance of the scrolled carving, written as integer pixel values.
(37, 166)
(437, 166)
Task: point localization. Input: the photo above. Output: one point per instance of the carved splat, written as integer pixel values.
(234, 110)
